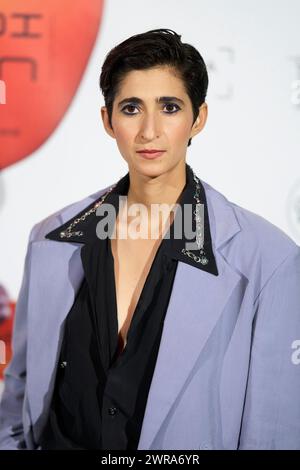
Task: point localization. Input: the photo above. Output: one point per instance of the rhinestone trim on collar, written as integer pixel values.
(67, 233)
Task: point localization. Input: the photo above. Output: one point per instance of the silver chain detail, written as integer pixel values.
(199, 227)
(67, 233)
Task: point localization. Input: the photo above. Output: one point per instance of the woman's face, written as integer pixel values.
(145, 123)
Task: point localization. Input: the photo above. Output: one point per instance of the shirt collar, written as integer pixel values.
(174, 247)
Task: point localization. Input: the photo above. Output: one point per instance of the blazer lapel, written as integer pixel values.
(197, 301)
(57, 272)
(56, 275)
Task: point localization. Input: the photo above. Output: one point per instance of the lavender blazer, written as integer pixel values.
(228, 369)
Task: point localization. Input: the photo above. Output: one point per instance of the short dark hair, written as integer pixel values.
(154, 48)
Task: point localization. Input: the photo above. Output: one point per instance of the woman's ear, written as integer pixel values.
(201, 120)
(105, 120)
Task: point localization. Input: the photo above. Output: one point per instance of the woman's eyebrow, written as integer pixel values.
(161, 99)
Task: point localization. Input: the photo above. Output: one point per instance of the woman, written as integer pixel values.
(170, 342)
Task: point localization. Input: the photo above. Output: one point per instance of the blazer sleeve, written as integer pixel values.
(271, 417)
(11, 404)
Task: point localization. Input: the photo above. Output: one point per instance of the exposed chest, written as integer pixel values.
(132, 263)
(133, 258)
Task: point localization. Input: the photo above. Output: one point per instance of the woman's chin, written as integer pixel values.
(151, 168)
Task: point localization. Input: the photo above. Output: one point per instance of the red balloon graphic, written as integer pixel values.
(44, 49)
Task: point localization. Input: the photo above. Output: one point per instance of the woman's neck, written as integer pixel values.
(162, 189)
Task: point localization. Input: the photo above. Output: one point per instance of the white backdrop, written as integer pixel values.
(249, 149)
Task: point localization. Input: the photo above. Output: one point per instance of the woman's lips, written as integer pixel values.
(151, 155)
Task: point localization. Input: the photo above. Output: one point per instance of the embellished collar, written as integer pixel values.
(176, 242)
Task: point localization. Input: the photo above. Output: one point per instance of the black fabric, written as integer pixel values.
(100, 396)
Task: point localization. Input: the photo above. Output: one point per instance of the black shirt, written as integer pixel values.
(100, 397)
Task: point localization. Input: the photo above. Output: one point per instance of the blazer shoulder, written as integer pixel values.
(57, 218)
(259, 245)
(265, 235)
(263, 246)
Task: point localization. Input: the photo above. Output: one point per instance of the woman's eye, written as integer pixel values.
(132, 106)
(173, 104)
(129, 106)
